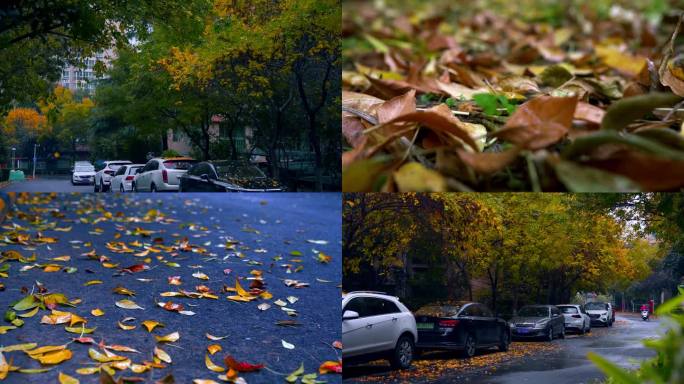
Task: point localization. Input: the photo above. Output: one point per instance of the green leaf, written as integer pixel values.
(27, 302)
(577, 178)
(613, 370)
(295, 374)
(669, 305)
(624, 111)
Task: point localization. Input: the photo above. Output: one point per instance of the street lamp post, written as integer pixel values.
(35, 147)
(13, 157)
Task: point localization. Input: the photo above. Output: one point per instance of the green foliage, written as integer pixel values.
(668, 366)
(490, 103)
(528, 247)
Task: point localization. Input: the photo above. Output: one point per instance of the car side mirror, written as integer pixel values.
(350, 315)
(205, 177)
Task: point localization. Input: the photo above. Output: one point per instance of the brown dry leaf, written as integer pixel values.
(589, 113)
(398, 106)
(539, 122)
(489, 162)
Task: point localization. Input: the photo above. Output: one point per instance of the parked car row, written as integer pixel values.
(174, 174)
(378, 326)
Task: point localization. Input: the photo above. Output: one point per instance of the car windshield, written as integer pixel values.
(533, 312)
(437, 310)
(569, 310)
(179, 164)
(595, 306)
(240, 171)
(115, 166)
(132, 170)
(84, 168)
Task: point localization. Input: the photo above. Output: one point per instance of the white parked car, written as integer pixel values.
(576, 319)
(162, 174)
(600, 313)
(83, 173)
(377, 326)
(104, 175)
(123, 178)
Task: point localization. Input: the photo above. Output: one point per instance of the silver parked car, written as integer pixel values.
(377, 326)
(576, 319)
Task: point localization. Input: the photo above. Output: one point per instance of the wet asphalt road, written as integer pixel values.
(267, 226)
(47, 184)
(567, 365)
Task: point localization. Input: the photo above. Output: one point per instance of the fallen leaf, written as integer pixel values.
(128, 304)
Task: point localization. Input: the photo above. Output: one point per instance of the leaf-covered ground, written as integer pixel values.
(259, 274)
(440, 364)
(531, 95)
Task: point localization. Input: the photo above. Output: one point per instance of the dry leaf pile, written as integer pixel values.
(441, 96)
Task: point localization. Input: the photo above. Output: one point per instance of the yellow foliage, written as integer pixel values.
(24, 121)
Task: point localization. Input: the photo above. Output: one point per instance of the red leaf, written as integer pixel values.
(136, 268)
(241, 366)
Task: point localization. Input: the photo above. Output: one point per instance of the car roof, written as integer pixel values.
(568, 305)
(177, 158)
(453, 303)
(539, 305)
(369, 294)
(117, 161)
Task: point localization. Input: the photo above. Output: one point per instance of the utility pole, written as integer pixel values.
(13, 157)
(35, 147)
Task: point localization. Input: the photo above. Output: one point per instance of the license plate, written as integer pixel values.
(425, 325)
(523, 330)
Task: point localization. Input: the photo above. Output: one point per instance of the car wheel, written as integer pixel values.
(153, 188)
(549, 336)
(102, 186)
(505, 341)
(610, 323)
(121, 188)
(95, 187)
(403, 353)
(562, 334)
(469, 347)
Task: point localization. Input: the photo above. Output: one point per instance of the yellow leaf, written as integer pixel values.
(45, 349)
(66, 379)
(93, 282)
(126, 327)
(88, 370)
(213, 348)
(414, 177)
(54, 357)
(75, 319)
(97, 312)
(52, 268)
(170, 338)
(30, 313)
(623, 62)
(128, 304)
(211, 365)
(61, 258)
(150, 325)
(161, 355)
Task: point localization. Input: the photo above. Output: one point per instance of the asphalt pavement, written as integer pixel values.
(270, 233)
(566, 363)
(622, 344)
(59, 183)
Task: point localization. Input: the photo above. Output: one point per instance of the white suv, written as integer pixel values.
(600, 313)
(377, 326)
(162, 174)
(104, 175)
